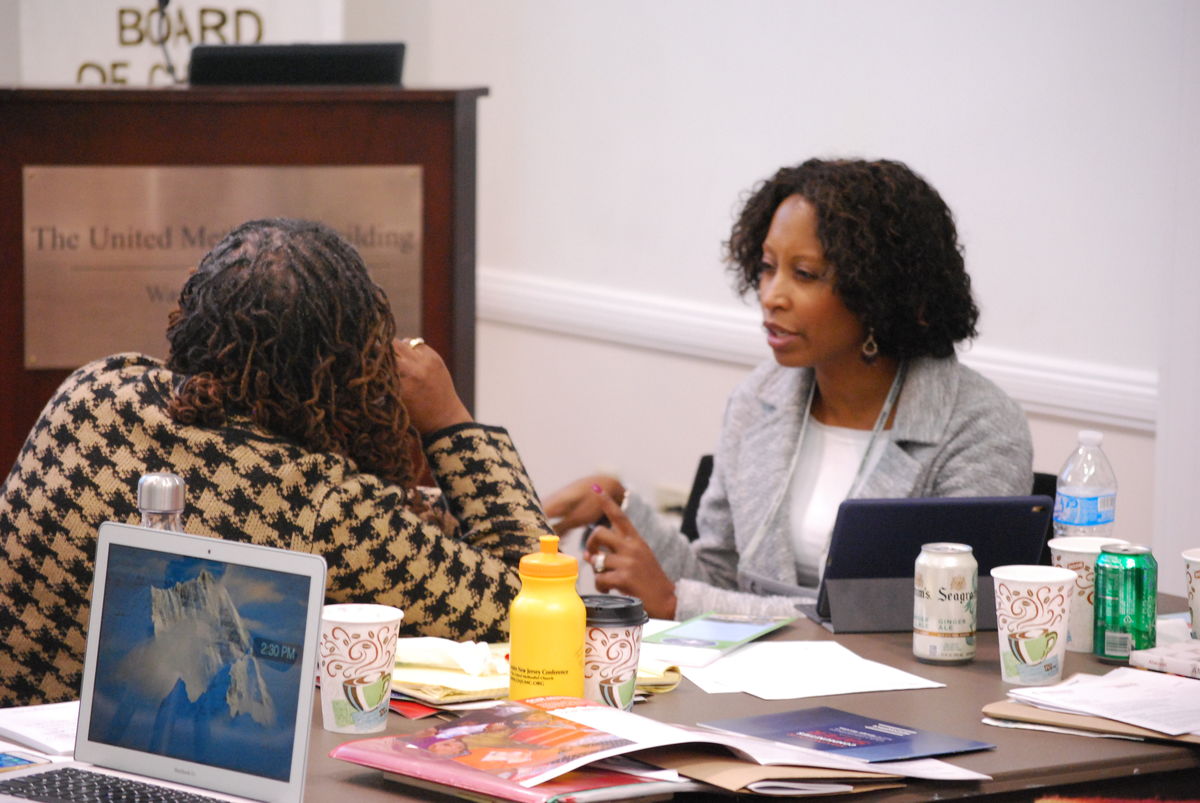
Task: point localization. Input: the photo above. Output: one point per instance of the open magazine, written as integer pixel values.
(534, 740)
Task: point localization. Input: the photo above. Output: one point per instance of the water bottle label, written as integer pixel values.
(1085, 511)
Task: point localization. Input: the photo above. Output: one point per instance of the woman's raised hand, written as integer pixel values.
(628, 563)
(426, 387)
(577, 505)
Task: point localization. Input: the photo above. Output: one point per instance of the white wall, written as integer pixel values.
(1178, 456)
(619, 135)
(626, 130)
(10, 42)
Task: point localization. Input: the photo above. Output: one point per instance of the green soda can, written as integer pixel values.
(1126, 601)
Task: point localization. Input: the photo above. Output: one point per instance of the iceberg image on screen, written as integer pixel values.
(199, 660)
(199, 626)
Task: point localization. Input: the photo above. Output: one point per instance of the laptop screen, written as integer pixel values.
(200, 660)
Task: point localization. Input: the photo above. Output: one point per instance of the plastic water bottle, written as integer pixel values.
(160, 499)
(547, 621)
(1086, 501)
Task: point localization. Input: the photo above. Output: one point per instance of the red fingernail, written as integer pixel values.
(595, 487)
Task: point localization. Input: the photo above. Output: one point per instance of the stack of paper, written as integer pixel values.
(788, 670)
(1128, 701)
(48, 728)
(1165, 703)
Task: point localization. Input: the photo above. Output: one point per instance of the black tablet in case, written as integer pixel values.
(867, 586)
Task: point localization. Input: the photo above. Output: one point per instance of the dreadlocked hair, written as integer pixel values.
(280, 322)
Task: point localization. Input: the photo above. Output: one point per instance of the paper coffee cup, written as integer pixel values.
(1032, 616)
(357, 654)
(611, 646)
(1191, 561)
(1078, 553)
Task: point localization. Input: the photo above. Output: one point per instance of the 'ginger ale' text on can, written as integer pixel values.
(945, 580)
(1126, 601)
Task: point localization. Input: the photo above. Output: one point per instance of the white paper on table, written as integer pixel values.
(472, 657)
(786, 670)
(1159, 701)
(784, 787)
(48, 728)
(638, 769)
(1034, 726)
(1172, 628)
(930, 769)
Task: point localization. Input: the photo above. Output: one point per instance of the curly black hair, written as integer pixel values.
(891, 240)
(280, 322)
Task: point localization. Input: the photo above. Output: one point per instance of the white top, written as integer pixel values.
(826, 468)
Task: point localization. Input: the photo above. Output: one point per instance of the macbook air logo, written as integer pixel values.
(184, 771)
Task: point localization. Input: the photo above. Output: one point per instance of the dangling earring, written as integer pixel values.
(870, 349)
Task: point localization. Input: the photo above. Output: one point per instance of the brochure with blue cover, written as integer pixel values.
(847, 734)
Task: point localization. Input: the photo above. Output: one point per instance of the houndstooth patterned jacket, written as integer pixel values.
(107, 425)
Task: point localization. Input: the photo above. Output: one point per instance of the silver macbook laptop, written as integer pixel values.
(200, 665)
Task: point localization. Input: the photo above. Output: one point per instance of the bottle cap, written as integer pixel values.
(1091, 437)
(612, 610)
(161, 492)
(549, 562)
(947, 547)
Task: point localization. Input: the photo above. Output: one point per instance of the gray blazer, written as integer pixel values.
(955, 434)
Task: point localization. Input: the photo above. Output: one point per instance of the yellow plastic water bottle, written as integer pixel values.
(546, 622)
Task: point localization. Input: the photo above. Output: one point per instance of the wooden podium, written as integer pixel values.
(245, 126)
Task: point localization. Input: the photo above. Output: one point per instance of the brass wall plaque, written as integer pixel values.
(108, 248)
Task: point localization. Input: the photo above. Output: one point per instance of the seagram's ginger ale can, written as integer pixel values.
(945, 581)
(1126, 601)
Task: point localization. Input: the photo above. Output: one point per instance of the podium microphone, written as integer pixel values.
(162, 39)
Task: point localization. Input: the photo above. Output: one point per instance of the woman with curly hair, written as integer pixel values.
(864, 295)
(297, 421)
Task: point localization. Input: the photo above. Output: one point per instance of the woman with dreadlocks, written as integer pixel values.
(297, 421)
(863, 293)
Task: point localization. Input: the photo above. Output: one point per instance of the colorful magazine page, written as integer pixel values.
(411, 709)
(480, 757)
(840, 732)
(510, 741)
(702, 639)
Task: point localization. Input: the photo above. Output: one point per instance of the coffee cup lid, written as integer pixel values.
(606, 610)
